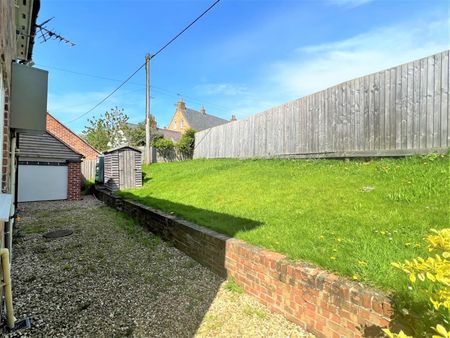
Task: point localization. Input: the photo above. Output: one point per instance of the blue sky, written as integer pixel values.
(241, 58)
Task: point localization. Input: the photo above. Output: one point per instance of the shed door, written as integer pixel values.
(127, 166)
(42, 182)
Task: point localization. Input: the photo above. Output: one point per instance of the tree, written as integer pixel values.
(186, 143)
(136, 134)
(107, 131)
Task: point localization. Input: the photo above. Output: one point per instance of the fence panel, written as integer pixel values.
(88, 169)
(398, 111)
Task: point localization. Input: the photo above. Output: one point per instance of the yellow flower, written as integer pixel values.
(333, 258)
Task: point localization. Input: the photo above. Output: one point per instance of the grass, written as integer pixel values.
(139, 234)
(232, 286)
(351, 217)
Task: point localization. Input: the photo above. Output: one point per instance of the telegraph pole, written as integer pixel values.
(147, 109)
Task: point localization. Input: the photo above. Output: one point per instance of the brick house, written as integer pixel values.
(17, 31)
(64, 134)
(185, 118)
(75, 142)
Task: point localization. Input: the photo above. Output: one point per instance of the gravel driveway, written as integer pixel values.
(111, 278)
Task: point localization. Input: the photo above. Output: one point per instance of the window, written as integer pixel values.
(182, 124)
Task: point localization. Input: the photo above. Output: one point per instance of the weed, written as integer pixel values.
(32, 229)
(250, 310)
(68, 267)
(232, 286)
(135, 231)
(190, 264)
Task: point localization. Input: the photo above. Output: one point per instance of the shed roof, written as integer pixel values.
(45, 146)
(121, 147)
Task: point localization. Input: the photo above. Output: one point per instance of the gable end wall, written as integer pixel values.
(177, 117)
(61, 132)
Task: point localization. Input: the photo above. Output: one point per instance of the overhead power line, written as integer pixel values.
(185, 29)
(151, 57)
(110, 94)
(161, 90)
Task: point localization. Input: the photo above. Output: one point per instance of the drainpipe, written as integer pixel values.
(10, 320)
(15, 168)
(14, 189)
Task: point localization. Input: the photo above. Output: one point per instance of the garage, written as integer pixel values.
(48, 169)
(40, 182)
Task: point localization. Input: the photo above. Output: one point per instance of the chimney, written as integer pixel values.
(203, 110)
(233, 118)
(181, 105)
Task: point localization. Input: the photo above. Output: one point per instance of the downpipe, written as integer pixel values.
(10, 320)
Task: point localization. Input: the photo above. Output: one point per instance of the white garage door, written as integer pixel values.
(42, 182)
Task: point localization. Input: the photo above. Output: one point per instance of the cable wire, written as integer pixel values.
(151, 57)
(185, 29)
(110, 94)
(161, 90)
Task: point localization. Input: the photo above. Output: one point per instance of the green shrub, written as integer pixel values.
(186, 143)
(164, 146)
(431, 276)
(86, 187)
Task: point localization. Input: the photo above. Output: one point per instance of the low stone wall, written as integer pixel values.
(321, 302)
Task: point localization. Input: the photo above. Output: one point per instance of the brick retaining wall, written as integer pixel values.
(321, 302)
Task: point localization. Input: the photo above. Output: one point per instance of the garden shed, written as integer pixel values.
(123, 168)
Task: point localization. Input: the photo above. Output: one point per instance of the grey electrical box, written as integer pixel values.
(29, 88)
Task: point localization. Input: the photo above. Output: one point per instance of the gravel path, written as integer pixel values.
(111, 278)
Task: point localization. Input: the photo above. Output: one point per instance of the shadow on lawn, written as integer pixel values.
(224, 223)
(193, 245)
(145, 178)
(203, 245)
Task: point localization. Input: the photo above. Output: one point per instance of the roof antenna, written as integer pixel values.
(48, 34)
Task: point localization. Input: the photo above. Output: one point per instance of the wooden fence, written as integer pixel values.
(88, 169)
(401, 110)
(157, 157)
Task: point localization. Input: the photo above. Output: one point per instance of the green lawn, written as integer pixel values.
(352, 217)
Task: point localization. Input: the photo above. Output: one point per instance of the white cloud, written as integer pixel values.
(317, 67)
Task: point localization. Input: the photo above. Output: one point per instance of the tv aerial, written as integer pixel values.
(49, 34)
